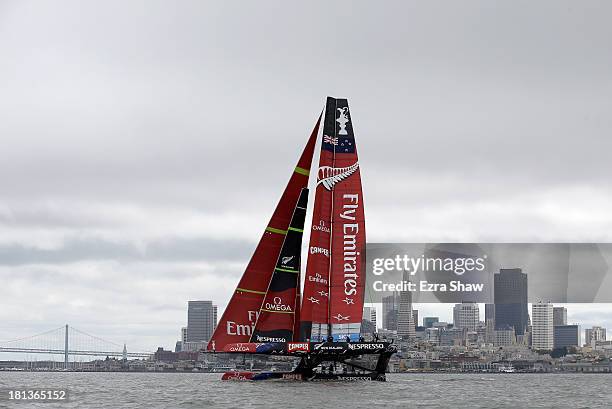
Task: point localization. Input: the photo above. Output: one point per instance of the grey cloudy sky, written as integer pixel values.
(144, 144)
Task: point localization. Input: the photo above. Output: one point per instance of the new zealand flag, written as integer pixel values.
(341, 144)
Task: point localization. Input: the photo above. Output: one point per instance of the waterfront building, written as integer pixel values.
(510, 292)
(201, 321)
(162, 355)
(559, 316)
(542, 337)
(566, 336)
(593, 335)
(466, 315)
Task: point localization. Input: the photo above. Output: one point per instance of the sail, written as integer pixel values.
(276, 318)
(348, 228)
(334, 280)
(238, 319)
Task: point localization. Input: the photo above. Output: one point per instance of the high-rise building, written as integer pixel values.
(415, 317)
(405, 319)
(466, 315)
(594, 334)
(490, 313)
(390, 306)
(201, 320)
(510, 288)
(559, 316)
(566, 336)
(542, 337)
(429, 321)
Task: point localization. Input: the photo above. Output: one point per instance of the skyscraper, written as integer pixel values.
(390, 306)
(201, 320)
(559, 316)
(466, 315)
(542, 337)
(405, 319)
(510, 292)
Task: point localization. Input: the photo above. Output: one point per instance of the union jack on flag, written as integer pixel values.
(329, 139)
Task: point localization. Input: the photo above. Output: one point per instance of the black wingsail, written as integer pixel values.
(277, 315)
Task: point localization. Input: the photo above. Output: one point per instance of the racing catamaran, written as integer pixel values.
(267, 314)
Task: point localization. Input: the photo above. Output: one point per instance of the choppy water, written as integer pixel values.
(193, 390)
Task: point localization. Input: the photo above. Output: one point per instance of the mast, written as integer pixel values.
(315, 311)
(331, 110)
(238, 320)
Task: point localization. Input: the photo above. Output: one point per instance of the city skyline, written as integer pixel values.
(565, 334)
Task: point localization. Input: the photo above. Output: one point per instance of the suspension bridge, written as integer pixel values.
(69, 341)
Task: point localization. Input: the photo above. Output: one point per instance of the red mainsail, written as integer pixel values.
(335, 274)
(238, 321)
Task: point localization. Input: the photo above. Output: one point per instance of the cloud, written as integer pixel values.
(140, 161)
(177, 249)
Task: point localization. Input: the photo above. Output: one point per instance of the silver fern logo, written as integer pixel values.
(329, 176)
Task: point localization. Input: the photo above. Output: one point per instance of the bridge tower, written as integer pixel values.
(66, 348)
